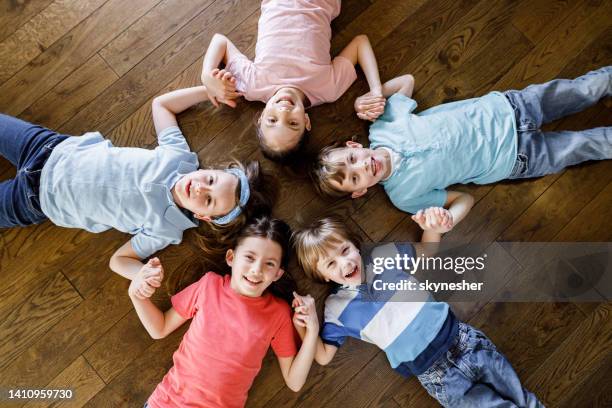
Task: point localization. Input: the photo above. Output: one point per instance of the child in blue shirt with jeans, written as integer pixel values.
(155, 195)
(482, 140)
(457, 364)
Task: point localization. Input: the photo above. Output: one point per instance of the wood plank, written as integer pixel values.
(79, 377)
(152, 73)
(77, 330)
(585, 351)
(39, 309)
(150, 31)
(563, 43)
(39, 33)
(133, 386)
(536, 19)
(128, 339)
(13, 14)
(70, 52)
(596, 390)
(71, 94)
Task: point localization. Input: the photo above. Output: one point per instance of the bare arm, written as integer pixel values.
(324, 352)
(165, 107)
(125, 261)
(220, 83)
(459, 204)
(157, 323)
(295, 369)
(359, 51)
(403, 84)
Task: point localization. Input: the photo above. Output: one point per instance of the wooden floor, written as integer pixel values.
(77, 65)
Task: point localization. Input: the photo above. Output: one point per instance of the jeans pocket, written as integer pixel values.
(521, 165)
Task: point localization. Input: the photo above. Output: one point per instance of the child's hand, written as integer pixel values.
(370, 106)
(147, 279)
(221, 87)
(436, 219)
(305, 312)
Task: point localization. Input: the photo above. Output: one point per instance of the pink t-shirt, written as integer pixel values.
(293, 46)
(222, 351)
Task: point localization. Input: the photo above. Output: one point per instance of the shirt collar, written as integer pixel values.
(172, 213)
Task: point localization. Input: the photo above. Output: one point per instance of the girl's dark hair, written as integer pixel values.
(209, 241)
(278, 231)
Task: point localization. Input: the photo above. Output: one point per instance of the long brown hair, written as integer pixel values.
(278, 231)
(209, 241)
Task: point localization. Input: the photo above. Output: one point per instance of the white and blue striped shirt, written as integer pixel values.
(412, 334)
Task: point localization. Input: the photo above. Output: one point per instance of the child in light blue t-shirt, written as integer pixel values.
(482, 140)
(153, 194)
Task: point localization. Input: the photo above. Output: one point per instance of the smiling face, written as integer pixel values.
(255, 263)
(361, 168)
(206, 193)
(284, 120)
(341, 264)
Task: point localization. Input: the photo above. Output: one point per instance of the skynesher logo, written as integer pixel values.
(411, 264)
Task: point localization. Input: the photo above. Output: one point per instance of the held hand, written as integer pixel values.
(435, 219)
(370, 106)
(148, 279)
(305, 312)
(221, 87)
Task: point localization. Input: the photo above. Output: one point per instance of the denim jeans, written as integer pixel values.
(540, 153)
(27, 147)
(473, 373)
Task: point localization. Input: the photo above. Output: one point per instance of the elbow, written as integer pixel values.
(323, 361)
(218, 37)
(407, 87)
(157, 335)
(361, 39)
(295, 387)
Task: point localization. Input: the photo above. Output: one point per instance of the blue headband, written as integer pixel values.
(245, 193)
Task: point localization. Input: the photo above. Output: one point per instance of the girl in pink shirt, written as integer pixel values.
(234, 321)
(292, 70)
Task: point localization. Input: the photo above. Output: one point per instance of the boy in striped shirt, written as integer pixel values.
(457, 364)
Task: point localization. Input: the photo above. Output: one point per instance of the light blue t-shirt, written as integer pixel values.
(469, 141)
(88, 183)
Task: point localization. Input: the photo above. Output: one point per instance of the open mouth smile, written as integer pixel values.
(351, 273)
(251, 282)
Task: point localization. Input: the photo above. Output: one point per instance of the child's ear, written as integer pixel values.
(229, 257)
(279, 273)
(203, 217)
(307, 119)
(350, 143)
(357, 194)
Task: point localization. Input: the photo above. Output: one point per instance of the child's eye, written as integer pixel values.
(294, 123)
(271, 120)
(352, 158)
(345, 251)
(354, 179)
(208, 200)
(210, 180)
(250, 258)
(271, 264)
(330, 264)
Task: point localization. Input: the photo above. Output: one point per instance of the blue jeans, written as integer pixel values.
(27, 147)
(540, 153)
(473, 373)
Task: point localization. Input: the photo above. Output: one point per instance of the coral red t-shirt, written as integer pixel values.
(293, 48)
(222, 351)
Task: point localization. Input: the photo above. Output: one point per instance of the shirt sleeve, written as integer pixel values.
(435, 198)
(333, 334)
(286, 339)
(146, 245)
(397, 106)
(343, 75)
(173, 137)
(242, 68)
(186, 302)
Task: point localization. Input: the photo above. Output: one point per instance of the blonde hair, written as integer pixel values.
(324, 171)
(314, 241)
